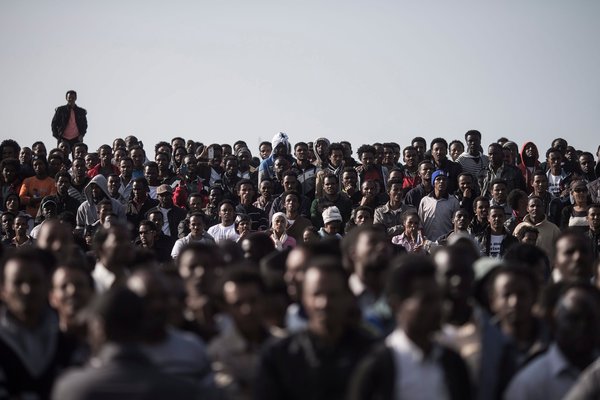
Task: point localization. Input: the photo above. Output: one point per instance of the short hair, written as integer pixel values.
(419, 139)
(166, 144)
(11, 162)
(423, 162)
(408, 148)
(104, 147)
(265, 143)
(149, 224)
(242, 275)
(409, 213)
(74, 93)
(495, 144)
(406, 270)
(539, 172)
(29, 255)
(527, 229)
(497, 208)
(473, 132)
(329, 265)
(456, 141)
(140, 180)
(10, 143)
(290, 172)
(300, 144)
(498, 181)
(226, 201)
(63, 174)
(514, 197)
(80, 144)
(331, 175)
(393, 181)
(513, 269)
(478, 199)
(244, 181)
(365, 148)
(553, 150)
(439, 140)
(334, 146)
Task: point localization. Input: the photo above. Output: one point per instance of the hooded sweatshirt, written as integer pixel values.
(87, 213)
(265, 169)
(320, 162)
(528, 173)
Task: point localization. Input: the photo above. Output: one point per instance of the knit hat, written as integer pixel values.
(331, 214)
(277, 215)
(437, 173)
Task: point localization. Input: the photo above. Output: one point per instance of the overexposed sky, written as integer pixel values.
(223, 70)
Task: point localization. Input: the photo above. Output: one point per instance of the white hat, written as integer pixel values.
(331, 214)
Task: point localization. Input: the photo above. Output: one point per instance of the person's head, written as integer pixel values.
(24, 284)
(265, 149)
(113, 247)
(332, 220)
(496, 218)
(243, 293)
(439, 149)
(63, 183)
(577, 322)
(266, 188)
(331, 185)
(78, 169)
(25, 156)
(455, 274)
(177, 142)
(20, 225)
(243, 224)
(366, 155)
(362, 215)
(347, 146)
(151, 173)
(528, 235)
(108, 321)
(290, 180)
(389, 156)
(7, 219)
(139, 189)
(119, 143)
(349, 178)
(104, 208)
(473, 140)
(12, 203)
(9, 149)
(280, 165)
(131, 141)
(439, 181)
(162, 160)
(156, 216)
(461, 220)
(395, 192)
(91, 160)
(369, 188)
(586, 162)
(231, 165)
(326, 296)
(189, 164)
(335, 154)
(196, 266)
(48, 207)
(396, 173)
(573, 256)
(164, 194)
(535, 209)
(540, 182)
(310, 234)
(481, 207)
(151, 286)
(113, 183)
(226, 212)
(499, 190)
(71, 97)
(279, 223)
(560, 144)
(517, 200)
(301, 151)
(420, 144)
(367, 253)
(195, 202)
(415, 296)
(495, 154)
(215, 195)
(147, 231)
(456, 149)
(80, 150)
(40, 167)
(554, 158)
(138, 156)
(411, 222)
(579, 191)
(425, 171)
(72, 289)
(244, 157)
(39, 149)
(410, 157)
(10, 170)
(512, 293)
(291, 202)
(593, 217)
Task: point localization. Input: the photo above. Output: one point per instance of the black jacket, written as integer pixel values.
(61, 118)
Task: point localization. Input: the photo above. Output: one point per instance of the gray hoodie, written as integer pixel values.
(87, 213)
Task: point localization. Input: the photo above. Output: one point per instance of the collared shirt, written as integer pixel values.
(548, 377)
(436, 214)
(418, 376)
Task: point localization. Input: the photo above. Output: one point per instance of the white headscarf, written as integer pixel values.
(281, 240)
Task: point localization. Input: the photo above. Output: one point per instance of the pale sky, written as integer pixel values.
(219, 71)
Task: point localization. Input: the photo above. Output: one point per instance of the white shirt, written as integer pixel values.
(103, 278)
(220, 232)
(417, 377)
(495, 245)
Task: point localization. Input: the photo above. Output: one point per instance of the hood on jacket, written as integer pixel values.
(99, 180)
(535, 149)
(320, 139)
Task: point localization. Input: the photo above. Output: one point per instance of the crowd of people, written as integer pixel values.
(430, 271)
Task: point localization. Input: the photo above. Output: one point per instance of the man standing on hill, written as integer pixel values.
(69, 122)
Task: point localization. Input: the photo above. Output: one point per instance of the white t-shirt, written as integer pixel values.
(220, 232)
(495, 245)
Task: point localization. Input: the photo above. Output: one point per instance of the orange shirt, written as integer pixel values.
(33, 191)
